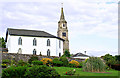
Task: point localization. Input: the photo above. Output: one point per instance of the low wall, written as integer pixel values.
(26, 57)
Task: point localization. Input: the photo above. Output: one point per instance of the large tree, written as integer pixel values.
(2, 43)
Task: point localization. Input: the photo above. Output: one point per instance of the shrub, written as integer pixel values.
(46, 60)
(94, 64)
(21, 63)
(55, 59)
(41, 72)
(74, 62)
(57, 63)
(33, 58)
(37, 62)
(4, 65)
(71, 72)
(71, 65)
(14, 72)
(66, 53)
(80, 64)
(6, 61)
(64, 60)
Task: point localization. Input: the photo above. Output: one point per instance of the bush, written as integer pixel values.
(41, 72)
(57, 63)
(74, 62)
(94, 64)
(66, 53)
(71, 65)
(14, 72)
(46, 61)
(55, 59)
(37, 62)
(71, 72)
(80, 64)
(6, 61)
(64, 60)
(21, 63)
(33, 58)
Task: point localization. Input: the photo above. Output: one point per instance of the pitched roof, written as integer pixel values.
(33, 33)
(80, 54)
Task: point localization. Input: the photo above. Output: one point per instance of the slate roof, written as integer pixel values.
(80, 54)
(33, 33)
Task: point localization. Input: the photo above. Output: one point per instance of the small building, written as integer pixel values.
(80, 56)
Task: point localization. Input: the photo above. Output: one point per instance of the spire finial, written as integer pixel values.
(62, 4)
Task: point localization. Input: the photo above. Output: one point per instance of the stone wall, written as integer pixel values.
(26, 57)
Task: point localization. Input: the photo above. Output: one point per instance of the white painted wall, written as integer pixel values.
(27, 45)
(81, 57)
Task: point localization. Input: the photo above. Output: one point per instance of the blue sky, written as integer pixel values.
(92, 24)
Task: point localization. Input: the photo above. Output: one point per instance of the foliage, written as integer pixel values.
(33, 58)
(21, 63)
(41, 72)
(6, 61)
(46, 60)
(57, 63)
(2, 43)
(110, 60)
(55, 59)
(71, 65)
(66, 53)
(4, 65)
(71, 72)
(14, 72)
(80, 64)
(37, 62)
(64, 60)
(74, 62)
(94, 64)
(118, 58)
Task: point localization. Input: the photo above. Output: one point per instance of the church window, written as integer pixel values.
(63, 25)
(64, 34)
(34, 42)
(20, 41)
(59, 44)
(48, 52)
(48, 42)
(34, 52)
(20, 51)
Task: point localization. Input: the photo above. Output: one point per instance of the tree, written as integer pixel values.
(66, 53)
(2, 43)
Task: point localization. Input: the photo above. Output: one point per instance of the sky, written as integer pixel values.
(92, 24)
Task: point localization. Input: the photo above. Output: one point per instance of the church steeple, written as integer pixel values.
(63, 30)
(62, 14)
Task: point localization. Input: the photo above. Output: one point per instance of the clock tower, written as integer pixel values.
(63, 31)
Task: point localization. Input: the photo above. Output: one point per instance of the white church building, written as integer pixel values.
(34, 42)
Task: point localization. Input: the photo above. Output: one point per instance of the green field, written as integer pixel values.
(79, 72)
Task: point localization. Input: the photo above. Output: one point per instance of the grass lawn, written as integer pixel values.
(79, 72)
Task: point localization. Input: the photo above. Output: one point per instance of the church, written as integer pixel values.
(24, 41)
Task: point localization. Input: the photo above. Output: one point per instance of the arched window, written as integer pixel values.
(59, 44)
(20, 41)
(20, 51)
(34, 42)
(48, 42)
(48, 52)
(34, 52)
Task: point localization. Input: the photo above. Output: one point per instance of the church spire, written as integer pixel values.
(62, 13)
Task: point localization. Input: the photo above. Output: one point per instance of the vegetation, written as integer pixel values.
(2, 43)
(94, 64)
(74, 62)
(37, 62)
(66, 53)
(64, 60)
(70, 72)
(33, 58)
(21, 63)
(46, 61)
